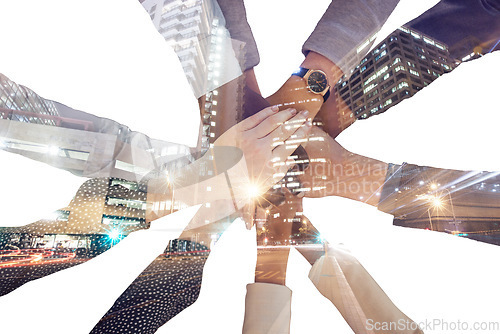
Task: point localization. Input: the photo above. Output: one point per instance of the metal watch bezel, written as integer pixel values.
(306, 78)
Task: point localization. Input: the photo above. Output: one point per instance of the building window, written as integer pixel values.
(403, 84)
(386, 103)
(355, 89)
(406, 30)
(415, 35)
(357, 96)
(400, 76)
(400, 68)
(426, 77)
(439, 46)
(404, 94)
(369, 88)
(421, 56)
(128, 203)
(126, 184)
(119, 220)
(383, 53)
(428, 41)
(372, 94)
(446, 66)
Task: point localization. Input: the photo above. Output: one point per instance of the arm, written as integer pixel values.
(334, 171)
(344, 33)
(340, 40)
(417, 196)
(264, 140)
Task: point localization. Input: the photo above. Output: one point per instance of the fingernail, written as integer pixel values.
(305, 112)
(275, 108)
(293, 111)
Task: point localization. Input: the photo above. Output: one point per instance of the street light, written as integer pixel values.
(115, 234)
(253, 191)
(452, 209)
(436, 203)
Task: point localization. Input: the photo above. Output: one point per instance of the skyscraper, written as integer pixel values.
(195, 29)
(397, 68)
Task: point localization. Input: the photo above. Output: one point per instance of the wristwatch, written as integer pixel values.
(316, 81)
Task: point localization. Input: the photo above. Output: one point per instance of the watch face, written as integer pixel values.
(317, 82)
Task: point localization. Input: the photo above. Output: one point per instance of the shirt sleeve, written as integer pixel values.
(412, 193)
(347, 30)
(236, 23)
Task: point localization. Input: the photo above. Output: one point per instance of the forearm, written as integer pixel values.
(362, 179)
(216, 176)
(343, 34)
(355, 177)
(411, 190)
(236, 23)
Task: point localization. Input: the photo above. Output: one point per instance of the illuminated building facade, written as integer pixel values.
(116, 159)
(195, 29)
(84, 144)
(396, 69)
(186, 26)
(102, 212)
(19, 103)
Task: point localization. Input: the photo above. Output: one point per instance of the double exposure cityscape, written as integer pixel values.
(257, 159)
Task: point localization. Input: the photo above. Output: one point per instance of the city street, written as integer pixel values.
(268, 257)
(164, 289)
(13, 275)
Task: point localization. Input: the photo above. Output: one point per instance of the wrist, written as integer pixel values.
(316, 61)
(295, 94)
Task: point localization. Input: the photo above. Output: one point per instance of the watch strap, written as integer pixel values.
(326, 96)
(301, 72)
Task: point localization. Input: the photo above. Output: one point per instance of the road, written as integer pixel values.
(164, 289)
(13, 275)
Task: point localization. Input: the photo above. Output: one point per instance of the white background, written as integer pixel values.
(106, 58)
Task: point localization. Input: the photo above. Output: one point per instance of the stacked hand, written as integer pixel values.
(334, 171)
(267, 139)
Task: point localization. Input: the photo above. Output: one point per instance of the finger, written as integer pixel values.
(284, 148)
(272, 123)
(280, 156)
(254, 120)
(287, 129)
